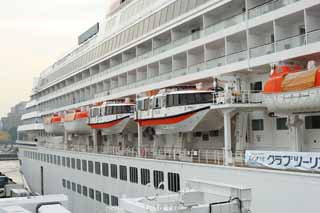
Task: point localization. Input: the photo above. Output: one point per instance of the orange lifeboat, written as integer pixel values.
(54, 124)
(291, 89)
(76, 122)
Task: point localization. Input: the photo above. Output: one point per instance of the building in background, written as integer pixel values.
(11, 122)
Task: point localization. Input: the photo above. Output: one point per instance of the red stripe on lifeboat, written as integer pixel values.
(166, 121)
(56, 119)
(81, 115)
(106, 125)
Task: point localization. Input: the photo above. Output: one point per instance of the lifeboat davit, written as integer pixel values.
(178, 111)
(53, 124)
(113, 118)
(76, 122)
(293, 90)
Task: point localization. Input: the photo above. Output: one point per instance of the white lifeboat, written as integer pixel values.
(76, 122)
(293, 90)
(113, 118)
(53, 124)
(178, 111)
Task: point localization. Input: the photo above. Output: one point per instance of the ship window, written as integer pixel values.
(55, 159)
(105, 169)
(78, 164)
(84, 165)
(68, 162)
(85, 191)
(98, 168)
(114, 201)
(257, 125)
(157, 103)
(133, 175)
(64, 183)
(98, 196)
(123, 173)
(91, 193)
(256, 86)
(106, 199)
(146, 104)
(63, 161)
(183, 99)
(73, 163)
(114, 171)
(214, 133)
(173, 182)
(158, 178)
(68, 184)
(145, 176)
(79, 188)
(169, 100)
(51, 158)
(59, 160)
(282, 124)
(73, 186)
(90, 166)
(205, 137)
(312, 122)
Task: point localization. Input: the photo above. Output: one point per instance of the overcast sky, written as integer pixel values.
(33, 33)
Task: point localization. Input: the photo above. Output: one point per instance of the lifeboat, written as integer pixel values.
(113, 118)
(178, 111)
(53, 124)
(76, 122)
(291, 89)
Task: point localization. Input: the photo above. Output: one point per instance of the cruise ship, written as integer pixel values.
(166, 95)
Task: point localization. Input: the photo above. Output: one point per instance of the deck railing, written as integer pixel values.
(237, 97)
(205, 156)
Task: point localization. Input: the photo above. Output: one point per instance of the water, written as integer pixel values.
(11, 169)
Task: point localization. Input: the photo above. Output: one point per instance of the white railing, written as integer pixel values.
(313, 36)
(216, 62)
(262, 50)
(237, 57)
(237, 97)
(205, 156)
(268, 7)
(196, 68)
(291, 42)
(228, 22)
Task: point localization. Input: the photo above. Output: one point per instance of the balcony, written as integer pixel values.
(262, 50)
(226, 23)
(269, 7)
(291, 42)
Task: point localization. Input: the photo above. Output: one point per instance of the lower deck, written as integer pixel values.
(94, 182)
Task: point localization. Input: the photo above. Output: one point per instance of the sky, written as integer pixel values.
(33, 34)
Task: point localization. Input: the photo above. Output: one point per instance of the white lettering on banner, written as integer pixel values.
(307, 161)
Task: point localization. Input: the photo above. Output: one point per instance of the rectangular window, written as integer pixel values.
(158, 177)
(256, 86)
(68, 184)
(58, 160)
(97, 166)
(106, 199)
(90, 166)
(85, 191)
(63, 161)
(114, 171)
(312, 122)
(98, 196)
(145, 176)
(84, 165)
(91, 193)
(257, 125)
(133, 175)
(123, 173)
(55, 159)
(114, 201)
(73, 163)
(173, 182)
(78, 164)
(79, 188)
(64, 183)
(73, 186)
(68, 162)
(282, 124)
(105, 169)
(214, 133)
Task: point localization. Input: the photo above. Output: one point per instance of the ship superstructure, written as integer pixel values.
(165, 91)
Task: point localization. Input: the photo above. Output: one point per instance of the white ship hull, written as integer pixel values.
(269, 187)
(54, 128)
